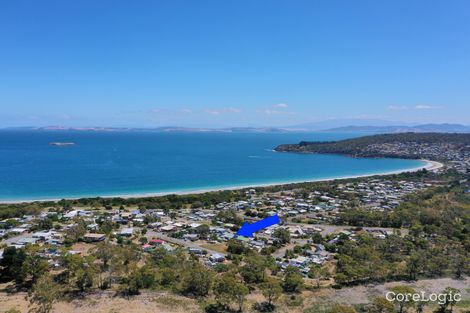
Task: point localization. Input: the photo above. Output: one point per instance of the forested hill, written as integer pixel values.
(436, 146)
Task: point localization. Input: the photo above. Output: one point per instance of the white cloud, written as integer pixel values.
(213, 112)
(276, 112)
(186, 110)
(233, 110)
(270, 112)
(393, 107)
(427, 107)
(223, 110)
(277, 109)
(397, 107)
(423, 107)
(155, 110)
(64, 117)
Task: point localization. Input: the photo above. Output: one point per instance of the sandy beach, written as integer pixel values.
(429, 165)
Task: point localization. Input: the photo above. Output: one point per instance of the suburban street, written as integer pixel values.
(185, 243)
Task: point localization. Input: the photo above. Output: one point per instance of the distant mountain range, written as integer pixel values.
(162, 129)
(425, 128)
(326, 126)
(343, 122)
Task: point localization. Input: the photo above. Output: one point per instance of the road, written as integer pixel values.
(11, 240)
(327, 229)
(282, 251)
(188, 244)
(150, 234)
(330, 229)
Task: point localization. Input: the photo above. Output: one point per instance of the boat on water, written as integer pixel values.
(61, 143)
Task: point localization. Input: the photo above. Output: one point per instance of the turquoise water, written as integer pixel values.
(123, 163)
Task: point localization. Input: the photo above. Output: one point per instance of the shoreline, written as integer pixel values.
(429, 165)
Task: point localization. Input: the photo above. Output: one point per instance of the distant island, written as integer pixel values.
(61, 143)
(165, 129)
(332, 126)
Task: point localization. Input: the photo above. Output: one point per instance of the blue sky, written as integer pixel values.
(233, 63)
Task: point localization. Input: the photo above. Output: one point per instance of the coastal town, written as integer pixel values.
(205, 231)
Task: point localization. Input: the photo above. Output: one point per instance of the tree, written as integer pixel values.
(73, 234)
(106, 226)
(415, 264)
(254, 269)
(420, 306)
(85, 276)
(282, 235)
(381, 305)
(405, 302)
(293, 281)
(229, 289)
(235, 247)
(437, 264)
(317, 272)
(104, 251)
(43, 294)
(462, 264)
(203, 231)
(449, 300)
(196, 279)
(79, 271)
(167, 276)
(317, 238)
(45, 223)
(132, 283)
(11, 264)
(34, 265)
(271, 289)
(339, 308)
(125, 257)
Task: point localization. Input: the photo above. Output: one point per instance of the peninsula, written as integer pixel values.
(454, 148)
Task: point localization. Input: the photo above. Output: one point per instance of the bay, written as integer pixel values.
(115, 163)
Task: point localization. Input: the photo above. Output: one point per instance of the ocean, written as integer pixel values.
(144, 162)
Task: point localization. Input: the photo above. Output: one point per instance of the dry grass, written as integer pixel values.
(83, 247)
(219, 247)
(105, 302)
